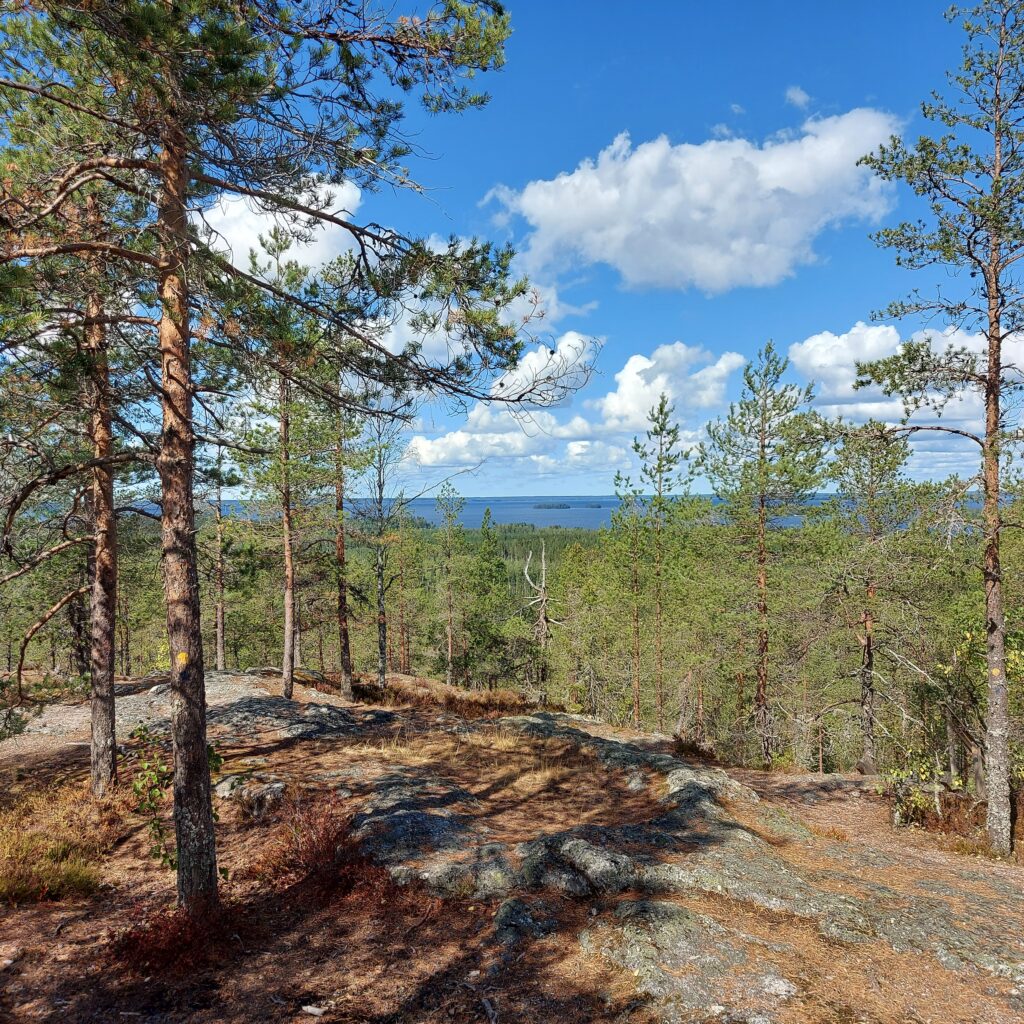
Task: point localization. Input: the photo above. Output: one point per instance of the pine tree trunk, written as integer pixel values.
(344, 641)
(124, 645)
(382, 618)
(219, 575)
(762, 711)
(193, 809)
(78, 620)
(997, 754)
(699, 733)
(403, 611)
(953, 749)
(103, 596)
(288, 660)
(659, 640)
(977, 756)
(449, 674)
(868, 764)
(635, 636)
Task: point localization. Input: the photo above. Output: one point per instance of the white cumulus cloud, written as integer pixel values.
(236, 223)
(687, 374)
(830, 360)
(715, 215)
(538, 440)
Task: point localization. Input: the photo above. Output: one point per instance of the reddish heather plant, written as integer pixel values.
(175, 943)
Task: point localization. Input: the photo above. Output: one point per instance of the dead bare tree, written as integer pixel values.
(539, 602)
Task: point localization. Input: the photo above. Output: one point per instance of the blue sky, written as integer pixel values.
(680, 181)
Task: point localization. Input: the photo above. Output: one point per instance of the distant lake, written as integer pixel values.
(589, 513)
(583, 512)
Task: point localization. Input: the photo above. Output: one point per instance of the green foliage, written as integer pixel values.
(151, 780)
(766, 454)
(916, 786)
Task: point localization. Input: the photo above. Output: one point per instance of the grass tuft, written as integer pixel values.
(830, 832)
(51, 842)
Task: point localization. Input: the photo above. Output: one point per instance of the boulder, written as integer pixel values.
(515, 920)
(257, 796)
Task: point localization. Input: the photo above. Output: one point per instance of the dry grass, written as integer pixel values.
(830, 832)
(412, 690)
(52, 841)
(542, 778)
(483, 748)
(524, 784)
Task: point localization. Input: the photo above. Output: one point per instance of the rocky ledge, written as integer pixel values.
(713, 840)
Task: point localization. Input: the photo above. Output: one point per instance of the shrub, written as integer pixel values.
(310, 844)
(313, 855)
(685, 747)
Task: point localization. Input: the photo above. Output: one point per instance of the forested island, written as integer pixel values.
(276, 745)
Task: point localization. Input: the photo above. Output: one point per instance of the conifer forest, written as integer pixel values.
(289, 729)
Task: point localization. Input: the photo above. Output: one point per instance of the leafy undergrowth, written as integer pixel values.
(52, 842)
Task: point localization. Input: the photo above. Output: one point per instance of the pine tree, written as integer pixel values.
(661, 458)
(199, 99)
(629, 539)
(449, 505)
(875, 509)
(345, 431)
(489, 648)
(970, 177)
(763, 462)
